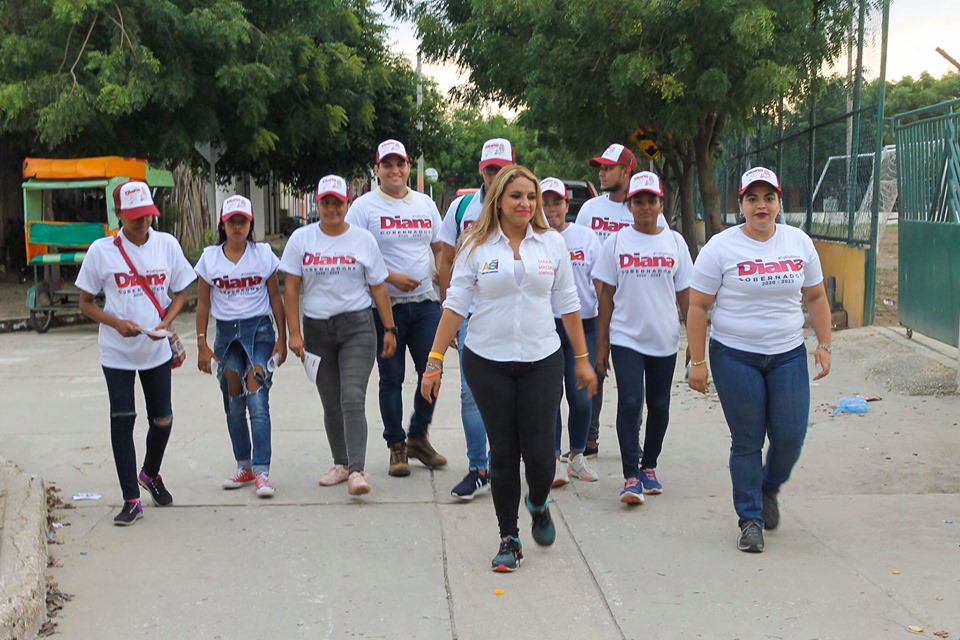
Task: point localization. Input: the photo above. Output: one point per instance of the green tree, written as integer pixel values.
(292, 88)
(593, 71)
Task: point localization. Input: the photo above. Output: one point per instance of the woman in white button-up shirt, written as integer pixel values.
(516, 271)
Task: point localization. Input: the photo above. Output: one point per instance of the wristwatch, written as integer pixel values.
(392, 330)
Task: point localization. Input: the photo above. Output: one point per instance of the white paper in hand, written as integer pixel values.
(311, 364)
(156, 333)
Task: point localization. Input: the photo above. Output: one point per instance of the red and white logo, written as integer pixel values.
(387, 222)
(605, 224)
(636, 261)
(127, 280)
(246, 282)
(759, 268)
(318, 260)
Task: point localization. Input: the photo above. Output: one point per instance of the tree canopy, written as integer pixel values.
(292, 88)
(592, 72)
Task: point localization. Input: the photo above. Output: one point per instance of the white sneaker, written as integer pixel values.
(581, 469)
(560, 478)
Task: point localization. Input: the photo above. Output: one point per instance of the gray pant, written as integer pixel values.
(347, 346)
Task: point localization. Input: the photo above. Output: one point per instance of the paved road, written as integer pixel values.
(869, 544)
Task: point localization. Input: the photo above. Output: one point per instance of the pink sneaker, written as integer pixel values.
(238, 479)
(357, 485)
(335, 475)
(264, 488)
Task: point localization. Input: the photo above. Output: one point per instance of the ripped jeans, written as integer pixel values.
(123, 416)
(242, 345)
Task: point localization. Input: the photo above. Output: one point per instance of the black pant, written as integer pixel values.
(518, 402)
(123, 416)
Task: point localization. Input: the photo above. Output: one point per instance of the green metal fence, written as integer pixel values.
(928, 151)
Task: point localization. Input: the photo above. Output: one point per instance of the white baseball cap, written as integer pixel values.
(759, 174)
(134, 200)
(391, 148)
(554, 185)
(236, 206)
(497, 152)
(332, 186)
(613, 155)
(645, 181)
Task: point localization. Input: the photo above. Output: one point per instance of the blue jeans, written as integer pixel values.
(416, 326)
(637, 372)
(579, 404)
(123, 415)
(473, 430)
(762, 396)
(241, 345)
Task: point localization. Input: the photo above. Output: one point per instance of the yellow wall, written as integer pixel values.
(848, 265)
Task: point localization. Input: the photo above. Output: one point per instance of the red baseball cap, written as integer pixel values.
(554, 185)
(236, 206)
(391, 148)
(134, 200)
(645, 181)
(497, 152)
(616, 154)
(332, 186)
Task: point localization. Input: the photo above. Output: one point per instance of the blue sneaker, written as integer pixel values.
(472, 485)
(508, 558)
(632, 492)
(649, 482)
(543, 531)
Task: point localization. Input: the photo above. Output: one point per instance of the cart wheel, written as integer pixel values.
(42, 320)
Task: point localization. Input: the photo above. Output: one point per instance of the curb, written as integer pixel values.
(23, 552)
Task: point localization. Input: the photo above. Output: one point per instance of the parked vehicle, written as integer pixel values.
(67, 204)
(579, 191)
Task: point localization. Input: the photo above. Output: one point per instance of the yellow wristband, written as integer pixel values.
(582, 355)
(697, 363)
(438, 356)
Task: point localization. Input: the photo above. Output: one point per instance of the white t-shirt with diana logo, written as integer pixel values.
(758, 287)
(160, 261)
(238, 290)
(648, 271)
(337, 271)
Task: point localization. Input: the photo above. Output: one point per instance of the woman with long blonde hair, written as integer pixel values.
(516, 271)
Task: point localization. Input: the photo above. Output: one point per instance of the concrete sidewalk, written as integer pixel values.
(869, 544)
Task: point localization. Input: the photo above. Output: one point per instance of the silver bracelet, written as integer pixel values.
(825, 347)
(433, 367)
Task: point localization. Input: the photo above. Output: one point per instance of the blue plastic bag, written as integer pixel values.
(851, 404)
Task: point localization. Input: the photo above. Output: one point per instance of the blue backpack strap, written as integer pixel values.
(461, 209)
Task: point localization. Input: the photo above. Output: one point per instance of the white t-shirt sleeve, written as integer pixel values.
(812, 269)
(292, 259)
(435, 217)
(181, 271)
(90, 278)
(375, 268)
(684, 270)
(708, 270)
(201, 268)
(605, 269)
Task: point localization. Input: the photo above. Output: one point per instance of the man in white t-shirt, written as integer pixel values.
(463, 211)
(607, 214)
(405, 224)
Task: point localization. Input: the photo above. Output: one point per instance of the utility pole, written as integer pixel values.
(419, 123)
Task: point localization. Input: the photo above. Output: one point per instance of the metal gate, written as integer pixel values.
(928, 176)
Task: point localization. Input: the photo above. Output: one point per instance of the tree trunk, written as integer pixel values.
(688, 213)
(705, 145)
(12, 247)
